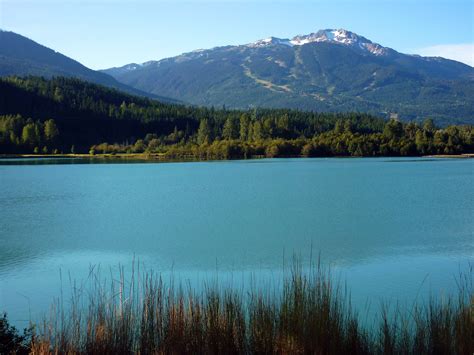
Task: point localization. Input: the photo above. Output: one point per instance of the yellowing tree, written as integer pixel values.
(51, 131)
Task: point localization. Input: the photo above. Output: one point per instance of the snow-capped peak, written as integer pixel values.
(343, 37)
(339, 36)
(270, 40)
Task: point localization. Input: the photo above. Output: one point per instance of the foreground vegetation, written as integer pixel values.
(71, 116)
(308, 314)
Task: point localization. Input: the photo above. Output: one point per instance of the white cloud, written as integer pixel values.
(461, 52)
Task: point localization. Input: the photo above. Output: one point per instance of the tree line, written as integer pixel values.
(19, 135)
(69, 115)
(396, 139)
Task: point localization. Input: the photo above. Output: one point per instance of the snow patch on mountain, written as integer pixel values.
(132, 66)
(270, 41)
(339, 36)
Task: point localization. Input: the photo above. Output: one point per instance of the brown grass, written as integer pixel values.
(308, 315)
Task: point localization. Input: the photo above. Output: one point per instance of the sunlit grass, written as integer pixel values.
(306, 314)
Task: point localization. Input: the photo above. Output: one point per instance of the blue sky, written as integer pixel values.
(106, 33)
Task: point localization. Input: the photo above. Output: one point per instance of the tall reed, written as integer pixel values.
(309, 314)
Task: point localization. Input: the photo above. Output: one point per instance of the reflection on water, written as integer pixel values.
(384, 227)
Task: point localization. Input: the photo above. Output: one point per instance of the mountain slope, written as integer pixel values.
(330, 70)
(20, 56)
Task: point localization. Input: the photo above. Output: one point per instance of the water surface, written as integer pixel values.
(393, 229)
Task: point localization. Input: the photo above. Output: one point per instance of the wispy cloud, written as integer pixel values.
(461, 52)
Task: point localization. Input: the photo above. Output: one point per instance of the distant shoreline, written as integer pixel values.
(465, 156)
(163, 158)
(131, 156)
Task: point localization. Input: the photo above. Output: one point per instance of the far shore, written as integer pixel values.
(78, 155)
(163, 157)
(124, 156)
(468, 155)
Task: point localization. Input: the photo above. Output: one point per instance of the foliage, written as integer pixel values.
(11, 340)
(25, 135)
(70, 112)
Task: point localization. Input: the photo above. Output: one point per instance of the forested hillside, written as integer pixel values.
(22, 56)
(69, 115)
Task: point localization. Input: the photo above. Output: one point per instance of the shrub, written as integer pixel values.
(11, 341)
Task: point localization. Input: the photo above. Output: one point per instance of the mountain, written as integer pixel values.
(329, 70)
(20, 56)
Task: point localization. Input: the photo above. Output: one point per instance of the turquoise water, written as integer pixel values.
(392, 229)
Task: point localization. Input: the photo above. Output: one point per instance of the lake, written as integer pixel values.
(392, 229)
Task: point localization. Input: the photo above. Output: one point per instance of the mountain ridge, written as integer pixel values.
(22, 56)
(327, 70)
(341, 36)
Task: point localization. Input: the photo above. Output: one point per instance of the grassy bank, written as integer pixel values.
(309, 314)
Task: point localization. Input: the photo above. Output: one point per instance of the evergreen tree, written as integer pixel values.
(339, 127)
(257, 131)
(347, 126)
(230, 130)
(393, 129)
(244, 127)
(428, 125)
(204, 132)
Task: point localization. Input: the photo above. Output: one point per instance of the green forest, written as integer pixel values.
(64, 115)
